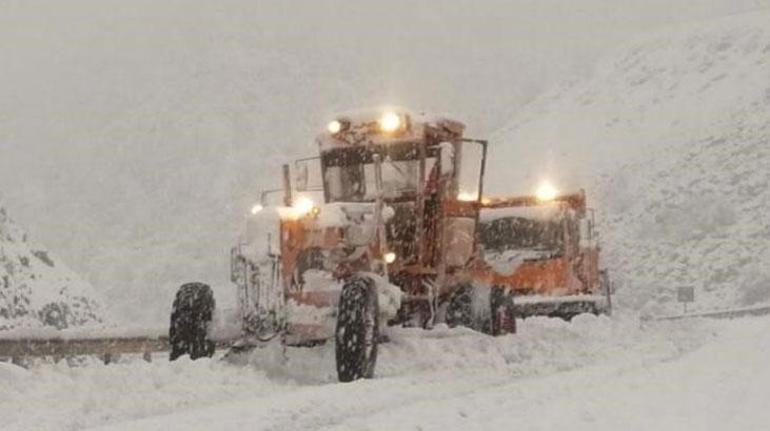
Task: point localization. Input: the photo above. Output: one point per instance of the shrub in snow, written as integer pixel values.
(36, 289)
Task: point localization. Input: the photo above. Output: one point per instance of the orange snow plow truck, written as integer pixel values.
(389, 225)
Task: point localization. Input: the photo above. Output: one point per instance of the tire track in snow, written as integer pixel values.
(545, 350)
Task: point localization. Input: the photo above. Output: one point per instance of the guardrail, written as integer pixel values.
(719, 314)
(106, 348)
(107, 344)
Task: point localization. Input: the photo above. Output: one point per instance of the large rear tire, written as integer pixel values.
(190, 319)
(357, 330)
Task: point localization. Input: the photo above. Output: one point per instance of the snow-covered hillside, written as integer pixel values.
(671, 138)
(36, 289)
(150, 127)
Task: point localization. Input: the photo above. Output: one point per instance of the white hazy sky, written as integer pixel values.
(133, 133)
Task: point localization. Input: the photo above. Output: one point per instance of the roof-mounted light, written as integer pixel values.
(338, 125)
(389, 122)
(334, 126)
(546, 192)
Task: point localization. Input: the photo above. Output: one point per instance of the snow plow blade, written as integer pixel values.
(561, 307)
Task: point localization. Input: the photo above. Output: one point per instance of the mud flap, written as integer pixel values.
(503, 311)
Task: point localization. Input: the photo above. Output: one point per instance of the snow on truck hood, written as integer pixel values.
(508, 261)
(343, 214)
(261, 235)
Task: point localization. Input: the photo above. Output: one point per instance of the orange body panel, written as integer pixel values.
(296, 237)
(316, 298)
(556, 276)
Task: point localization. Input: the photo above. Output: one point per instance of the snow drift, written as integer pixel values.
(36, 289)
(670, 137)
(273, 384)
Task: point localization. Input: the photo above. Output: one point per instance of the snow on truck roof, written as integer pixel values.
(383, 125)
(541, 213)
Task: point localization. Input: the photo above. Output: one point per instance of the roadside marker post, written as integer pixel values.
(685, 295)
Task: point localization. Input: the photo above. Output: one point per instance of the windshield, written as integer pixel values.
(519, 233)
(349, 174)
(356, 183)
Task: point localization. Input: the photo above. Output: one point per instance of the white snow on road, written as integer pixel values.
(721, 386)
(64, 397)
(430, 371)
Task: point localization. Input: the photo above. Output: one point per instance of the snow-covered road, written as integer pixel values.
(595, 373)
(724, 385)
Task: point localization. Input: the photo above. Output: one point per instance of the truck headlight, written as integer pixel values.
(302, 206)
(334, 127)
(546, 192)
(389, 122)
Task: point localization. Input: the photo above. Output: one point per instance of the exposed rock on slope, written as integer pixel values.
(35, 288)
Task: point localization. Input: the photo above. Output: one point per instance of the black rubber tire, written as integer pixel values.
(501, 319)
(190, 319)
(459, 312)
(502, 310)
(357, 330)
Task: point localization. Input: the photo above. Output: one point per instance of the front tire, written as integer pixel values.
(357, 330)
(190, 320)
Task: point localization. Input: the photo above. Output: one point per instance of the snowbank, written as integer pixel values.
(541, 346)
(295, 388)
(65, 397)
